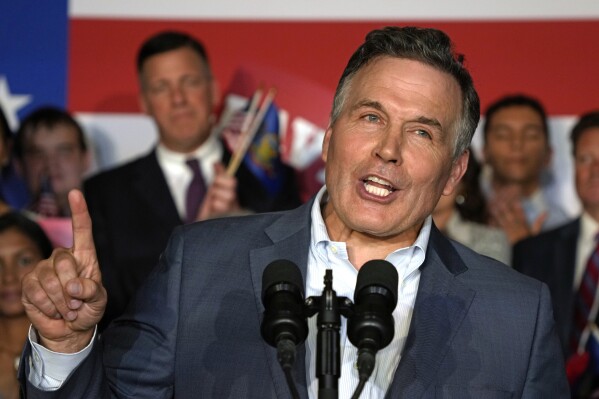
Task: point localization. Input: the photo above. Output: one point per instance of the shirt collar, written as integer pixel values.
(320, 234)
(588, 227)
(209, 147)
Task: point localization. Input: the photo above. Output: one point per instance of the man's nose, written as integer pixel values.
(389, 147)
(178, 95)
(8, 275)
(516, 142)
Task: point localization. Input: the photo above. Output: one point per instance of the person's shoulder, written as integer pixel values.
(228, 237)
(247, 226)
(490, 241)
(493, 275)
(554, 236)
(477, 261)
(480, 235)
(483, 231)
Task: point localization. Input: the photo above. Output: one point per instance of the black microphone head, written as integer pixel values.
(283, 299)
(377, 276)
(282, 271)
(371, 326)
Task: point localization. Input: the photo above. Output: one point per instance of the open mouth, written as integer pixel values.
(378, 187)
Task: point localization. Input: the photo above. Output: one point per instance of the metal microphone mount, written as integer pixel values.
(330, 308)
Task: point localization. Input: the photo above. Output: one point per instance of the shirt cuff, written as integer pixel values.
(48, 369)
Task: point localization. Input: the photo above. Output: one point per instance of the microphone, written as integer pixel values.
(371, 327)
(284, 324)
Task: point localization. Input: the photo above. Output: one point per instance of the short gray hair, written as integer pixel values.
(429, 46)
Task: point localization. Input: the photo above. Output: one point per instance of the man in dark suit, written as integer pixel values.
(559, 257)
(465, 326)
(136, 206)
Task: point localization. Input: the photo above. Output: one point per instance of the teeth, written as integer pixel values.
(377, 180)
(376, 190)
(381, 192)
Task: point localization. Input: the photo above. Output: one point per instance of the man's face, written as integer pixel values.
(179, 94)
(389, 154)
(586, 162)
(516, 146)
(54, 155)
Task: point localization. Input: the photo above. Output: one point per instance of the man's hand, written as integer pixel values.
(507, 213)
(221, 197)
(63, 296)
(46, 205)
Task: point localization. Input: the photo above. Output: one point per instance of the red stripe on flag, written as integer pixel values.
(556, 61)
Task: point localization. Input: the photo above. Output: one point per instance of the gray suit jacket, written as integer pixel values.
(479, 329)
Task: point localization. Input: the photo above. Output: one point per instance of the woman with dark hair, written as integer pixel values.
(463, 215)
(22, 245)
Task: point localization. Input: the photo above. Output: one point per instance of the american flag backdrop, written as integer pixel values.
(80, 54)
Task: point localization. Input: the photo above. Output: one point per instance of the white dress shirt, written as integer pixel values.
(326, 254)
(585, 245)
(48, 369)
(177, 173)
(323, 254)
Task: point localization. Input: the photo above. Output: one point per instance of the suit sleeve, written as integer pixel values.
(546, 376)
(135, 357)
(87, 381)
(139, 347)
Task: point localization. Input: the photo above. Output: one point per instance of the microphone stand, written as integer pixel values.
(370, 321)
(329, 307)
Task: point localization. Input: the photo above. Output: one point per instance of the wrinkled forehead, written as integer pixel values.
(435, 92)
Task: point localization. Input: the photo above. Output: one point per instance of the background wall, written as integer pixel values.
(80, 54)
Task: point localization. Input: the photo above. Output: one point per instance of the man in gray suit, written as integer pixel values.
(403, 116)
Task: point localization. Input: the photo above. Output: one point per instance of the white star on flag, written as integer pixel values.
(11, 103)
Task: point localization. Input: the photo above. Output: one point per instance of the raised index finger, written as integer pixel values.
(84, 249)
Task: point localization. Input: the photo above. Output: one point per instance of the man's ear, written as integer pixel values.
(458, 168)
(325, 143)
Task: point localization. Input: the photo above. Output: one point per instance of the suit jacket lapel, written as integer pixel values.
(441, 304)
(563, 262)
(150, 185)
(290, 237)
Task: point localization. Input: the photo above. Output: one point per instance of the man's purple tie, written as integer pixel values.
(195, 191)
(583, 302)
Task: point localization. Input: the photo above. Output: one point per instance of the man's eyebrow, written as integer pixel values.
(378, 106)
(368, 104)
(429, 121)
